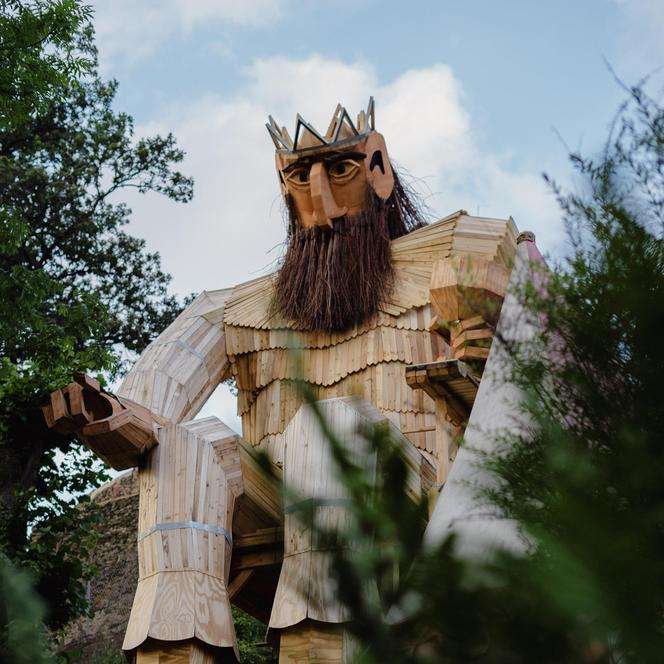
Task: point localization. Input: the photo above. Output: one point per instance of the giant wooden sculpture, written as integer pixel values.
(398, 314)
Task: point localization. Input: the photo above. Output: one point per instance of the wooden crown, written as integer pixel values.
(341, 128)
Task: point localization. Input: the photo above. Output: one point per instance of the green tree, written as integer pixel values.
(38, 47)
(76, 291)
(584, 484)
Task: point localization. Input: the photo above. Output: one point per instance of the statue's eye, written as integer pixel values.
(298, 176)
(343, 170)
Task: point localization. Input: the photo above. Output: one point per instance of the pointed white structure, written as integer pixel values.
(497, 408)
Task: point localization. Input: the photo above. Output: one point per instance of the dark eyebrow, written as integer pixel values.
(327, 159)
(341, 156)
(304, 161)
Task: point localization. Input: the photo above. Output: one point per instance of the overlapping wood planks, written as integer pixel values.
(326, 366)
(382, 385)
(368, 360)
(260, 506)
(308, 642)
(494, 239)
(239, 332)
(242, 339)
(306, 586)
(185, 653)
(252, 304)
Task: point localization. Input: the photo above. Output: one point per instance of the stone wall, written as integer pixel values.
(111, 591)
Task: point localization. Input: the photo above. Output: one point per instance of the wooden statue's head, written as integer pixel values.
(326, 177)
(345, 204)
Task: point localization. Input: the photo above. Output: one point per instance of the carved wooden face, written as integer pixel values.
(331, 182)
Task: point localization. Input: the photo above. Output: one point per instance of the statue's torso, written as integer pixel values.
(368, 361)
(268, 354)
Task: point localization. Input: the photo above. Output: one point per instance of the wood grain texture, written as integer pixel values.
(153, 652)
(311, 643)
(368, 360)
(192, 477)
(306, 589)
(203, 473)
(252, 304)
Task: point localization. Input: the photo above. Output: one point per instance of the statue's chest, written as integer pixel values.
(277, 369)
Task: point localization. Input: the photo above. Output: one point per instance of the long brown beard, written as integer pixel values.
(334, 278)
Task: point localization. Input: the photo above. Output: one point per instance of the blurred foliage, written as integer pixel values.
(22, 638)
(76, 291)
(585, 483)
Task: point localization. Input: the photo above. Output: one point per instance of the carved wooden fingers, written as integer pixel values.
(117, 431)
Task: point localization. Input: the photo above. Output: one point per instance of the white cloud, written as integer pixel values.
(130, 30)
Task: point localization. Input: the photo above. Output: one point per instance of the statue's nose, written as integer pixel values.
(325, 207)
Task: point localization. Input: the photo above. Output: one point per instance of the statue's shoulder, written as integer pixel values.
(414, 255)
(251, 304)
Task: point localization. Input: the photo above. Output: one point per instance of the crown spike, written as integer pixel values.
(371, 113)
(345, 123)
(333, 122)
(361, 122)
(286, 136)
(306, 136)
(276, 136)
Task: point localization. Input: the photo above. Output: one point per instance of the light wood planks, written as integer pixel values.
(383, 385)
(310, 643)
(467, 286)
(251, 304)
(241, 339)
(185, 653)
(326, 366)
(306, 589)
(184, 571)
(368, 360)
(179, 371)
(187, 493)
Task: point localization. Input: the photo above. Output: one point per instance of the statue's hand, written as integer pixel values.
(78, 404)
(118, 431)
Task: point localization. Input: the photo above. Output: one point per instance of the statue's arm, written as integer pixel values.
(171, 381)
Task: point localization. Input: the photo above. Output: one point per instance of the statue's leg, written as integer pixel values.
(173, 653)
(313, 642)
(188, 486)
(307, 614)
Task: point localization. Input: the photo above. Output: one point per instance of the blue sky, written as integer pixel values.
(473, 98)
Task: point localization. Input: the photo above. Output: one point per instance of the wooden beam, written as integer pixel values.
(239, 582)
(259, 559)
(261, 537)
(451, 380)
